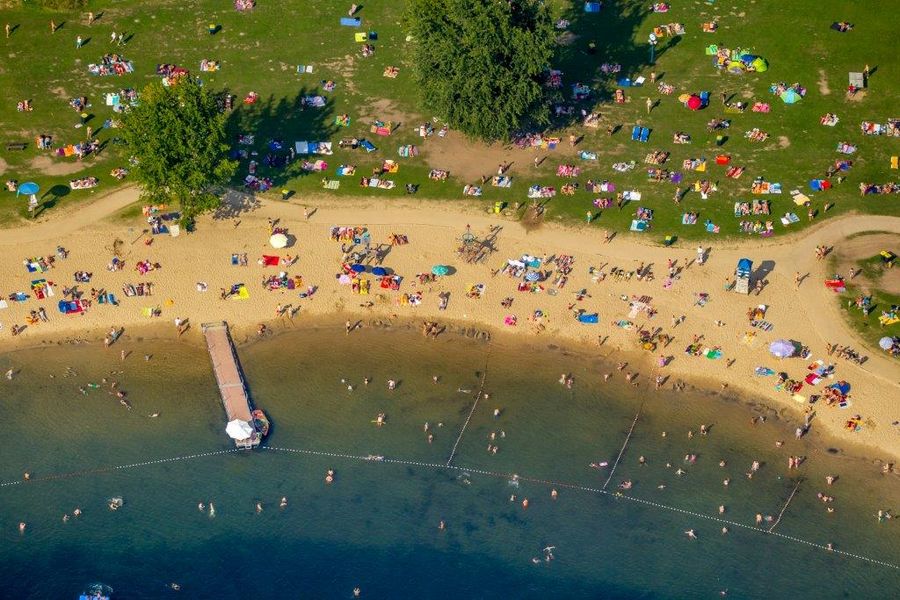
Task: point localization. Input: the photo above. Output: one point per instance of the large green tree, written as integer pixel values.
(480, 64)
(177, 134)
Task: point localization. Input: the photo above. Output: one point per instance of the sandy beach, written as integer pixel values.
(808, 313)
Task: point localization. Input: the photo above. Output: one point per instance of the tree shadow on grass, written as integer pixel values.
(277, 124)
(613, 32)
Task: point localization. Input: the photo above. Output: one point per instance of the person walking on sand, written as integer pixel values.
(79, 42)
(700, 255)
(52, 26)
(649, 105)
(797, 279)
(8, 29)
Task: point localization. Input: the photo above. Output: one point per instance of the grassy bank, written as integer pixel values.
(259, 52)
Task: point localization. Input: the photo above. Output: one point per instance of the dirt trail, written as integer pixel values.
(64, 222)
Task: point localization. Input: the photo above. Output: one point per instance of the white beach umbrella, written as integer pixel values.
(238, 429)
(279, 240)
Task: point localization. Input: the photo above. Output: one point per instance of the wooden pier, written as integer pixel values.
(232, 387)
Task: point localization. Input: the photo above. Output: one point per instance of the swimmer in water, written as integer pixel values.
(829, 479)
(22, 527)
(554, 494)
(366, 381)
(725, 482)
(759, 519)
(356, 592)
(525, 503)
(664, 434)
(154, 415)
(721, 509)
(201, 507)
(724, 531)
(329, 476)
(212, 510)
(65, 518)
(722, 463)
(442, 526)
(434, 379)
(77, 512)
(175, 586)
(259, 508)
(642, 460)
(391, 384)
(496, 413)
(679, 472)
(690, 533)
(283, 503)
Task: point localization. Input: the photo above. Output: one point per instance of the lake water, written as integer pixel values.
(376, 525)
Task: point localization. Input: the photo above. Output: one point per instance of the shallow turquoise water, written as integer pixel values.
(376, 526)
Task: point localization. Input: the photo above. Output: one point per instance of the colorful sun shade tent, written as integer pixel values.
(790, 96)
(379, 271)
(358, 268)
(440, 270)
(694, 102)
(886, 343)
(760, 65)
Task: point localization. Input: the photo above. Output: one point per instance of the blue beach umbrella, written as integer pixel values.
(379, 271)
(532, 276)
(358, 268)
(440, 270)
(29, 188)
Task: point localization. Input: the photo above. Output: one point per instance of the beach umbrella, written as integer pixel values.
(379, 271)
(886, 343)
(684, 98)
(782, 348)
(29, 188)
(279, 240)
(344, 279)
(358, 268)
(440, 270)
(238, 429)
(532, 276)
(841, 386)
(760, 65)
(694, 102)
(789, 96)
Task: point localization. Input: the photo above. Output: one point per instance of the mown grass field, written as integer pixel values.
(260, 50)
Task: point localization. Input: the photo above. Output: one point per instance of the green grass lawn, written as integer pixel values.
(869, 326)
(261, 49)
